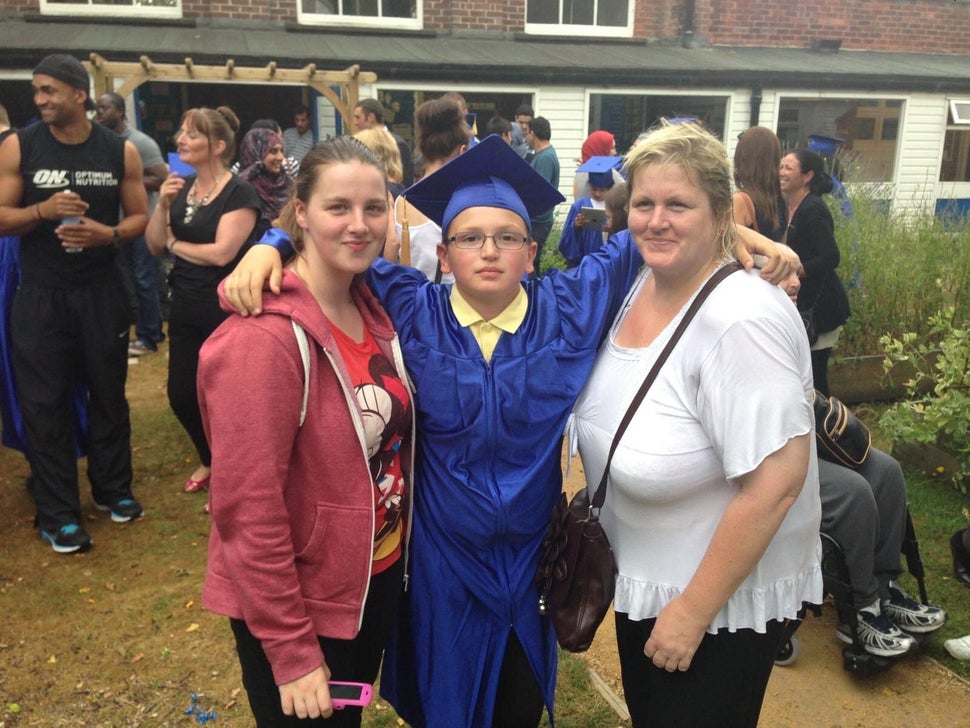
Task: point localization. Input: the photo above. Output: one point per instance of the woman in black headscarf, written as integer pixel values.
(261, 164)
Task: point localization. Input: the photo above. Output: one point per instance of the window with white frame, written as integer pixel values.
(370, 13)
(867, 130)
(955, 166)
(116, 8)
(591, 17)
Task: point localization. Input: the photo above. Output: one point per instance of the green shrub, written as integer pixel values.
(898, 271)
(936, 410)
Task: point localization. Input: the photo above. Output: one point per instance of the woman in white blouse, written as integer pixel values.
(713, 506)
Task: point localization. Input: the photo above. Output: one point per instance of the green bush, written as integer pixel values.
(936, 409)
(898, 271)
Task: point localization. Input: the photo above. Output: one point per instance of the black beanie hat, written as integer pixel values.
(69, 70)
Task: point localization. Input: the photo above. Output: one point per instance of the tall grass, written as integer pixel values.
(898, 270)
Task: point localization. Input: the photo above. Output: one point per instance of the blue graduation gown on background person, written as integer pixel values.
(575, 244)
(13, 435)
(13, 424)
(487, 475)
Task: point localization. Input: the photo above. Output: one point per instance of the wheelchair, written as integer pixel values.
(836, 583)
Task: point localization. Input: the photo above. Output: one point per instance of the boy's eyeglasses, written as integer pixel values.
(503, 241)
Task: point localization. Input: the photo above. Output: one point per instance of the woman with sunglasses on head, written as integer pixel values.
(204, 221)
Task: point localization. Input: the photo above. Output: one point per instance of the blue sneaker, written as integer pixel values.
(127, 509)
(67, 539)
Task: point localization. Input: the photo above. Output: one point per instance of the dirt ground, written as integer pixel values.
(816, 691)
(116, 637)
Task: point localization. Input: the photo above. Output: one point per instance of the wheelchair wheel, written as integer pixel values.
(788, 652)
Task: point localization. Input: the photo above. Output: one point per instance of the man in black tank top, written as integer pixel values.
(62, 183)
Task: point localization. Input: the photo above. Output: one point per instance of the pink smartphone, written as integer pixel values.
(343, 694)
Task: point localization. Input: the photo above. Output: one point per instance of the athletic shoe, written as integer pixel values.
(67, 539)
(127, 509)
(140, 347)
(959, 647)
(909, 615)
(878, 635)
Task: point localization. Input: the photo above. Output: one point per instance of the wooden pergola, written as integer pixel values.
(104, 72)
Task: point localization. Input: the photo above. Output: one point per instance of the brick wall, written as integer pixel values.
(921, 26)
(474, 15)
(929, 26)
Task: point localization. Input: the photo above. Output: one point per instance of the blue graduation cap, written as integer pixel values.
(490, 174)
(824, 144)
(603, 171)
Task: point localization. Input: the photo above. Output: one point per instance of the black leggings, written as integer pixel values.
(356, 660)
(191, 321)
(723, 688)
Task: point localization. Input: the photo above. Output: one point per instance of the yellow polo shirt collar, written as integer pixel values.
(487, 333)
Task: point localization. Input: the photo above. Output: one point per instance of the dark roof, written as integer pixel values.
(509, 58)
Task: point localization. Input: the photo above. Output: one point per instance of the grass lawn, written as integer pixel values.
(116, 636)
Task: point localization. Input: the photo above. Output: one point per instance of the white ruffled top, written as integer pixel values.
(735, 389)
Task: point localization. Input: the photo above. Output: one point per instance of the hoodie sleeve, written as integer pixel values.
(250, 385)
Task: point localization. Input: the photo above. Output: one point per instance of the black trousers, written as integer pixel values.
(723, 688)
(62, 337)
(820, 370)
(519, 702)
(191, 321)
(356, 660)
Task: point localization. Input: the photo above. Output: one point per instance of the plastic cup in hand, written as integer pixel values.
(72, 220)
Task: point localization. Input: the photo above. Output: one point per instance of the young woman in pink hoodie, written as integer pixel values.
(311, 455)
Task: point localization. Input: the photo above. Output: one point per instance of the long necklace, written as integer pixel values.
(192, 205)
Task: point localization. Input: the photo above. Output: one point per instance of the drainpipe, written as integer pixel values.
(687, 39)
(755, 104)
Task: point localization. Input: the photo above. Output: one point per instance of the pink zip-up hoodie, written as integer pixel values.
(292, 507)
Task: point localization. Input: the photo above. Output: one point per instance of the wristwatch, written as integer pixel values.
(115, 237)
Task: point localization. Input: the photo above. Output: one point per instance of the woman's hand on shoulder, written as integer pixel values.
(244, 286)
(782, 260)
(676, 636)
(308, 696)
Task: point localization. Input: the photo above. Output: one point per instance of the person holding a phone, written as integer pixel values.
(309, 413)
(583, 230)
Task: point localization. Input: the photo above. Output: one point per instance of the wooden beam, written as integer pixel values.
(135, 74)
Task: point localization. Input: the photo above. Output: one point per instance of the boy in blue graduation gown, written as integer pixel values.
(580, 238)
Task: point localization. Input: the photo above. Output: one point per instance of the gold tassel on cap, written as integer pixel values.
(405, 241)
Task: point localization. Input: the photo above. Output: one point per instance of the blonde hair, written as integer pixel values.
(703, 158)
(379, 140)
